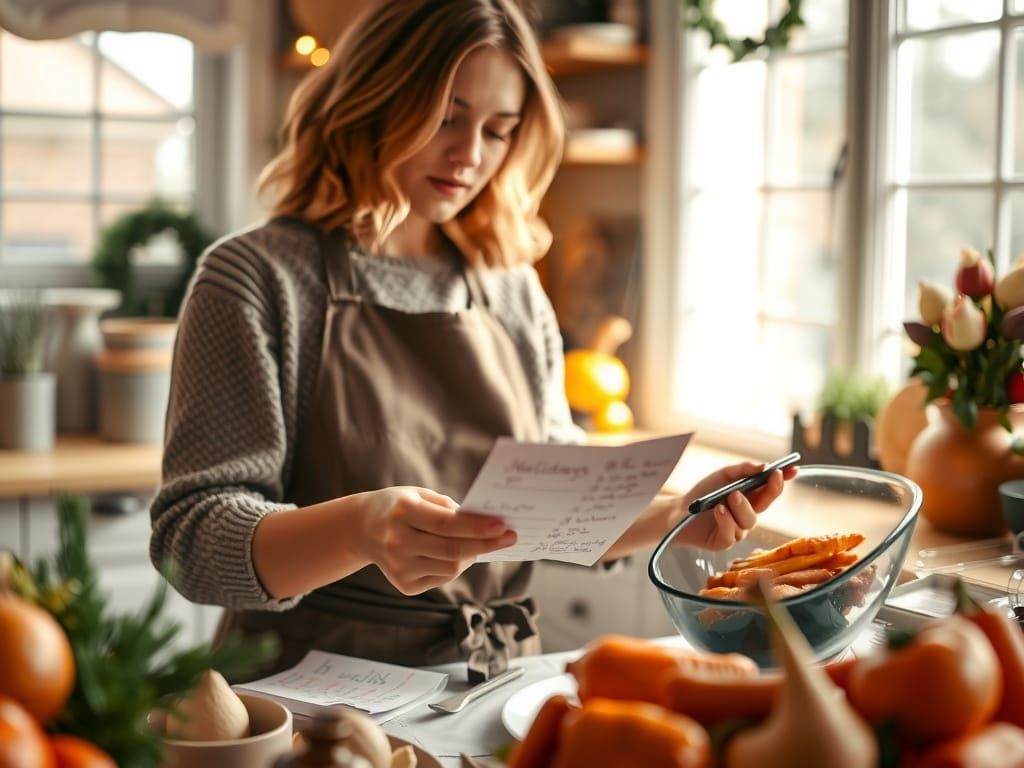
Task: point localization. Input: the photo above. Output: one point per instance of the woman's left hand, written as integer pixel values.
(727, 523)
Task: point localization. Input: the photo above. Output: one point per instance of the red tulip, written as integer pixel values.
(975, 276)
(1015, 387)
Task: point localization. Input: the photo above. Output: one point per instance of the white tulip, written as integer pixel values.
(964, 325)
(1009, 291)
(933, 300)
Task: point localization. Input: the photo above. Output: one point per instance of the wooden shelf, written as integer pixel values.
(83, 463)
(580, 55)
(578, 154)
(573, 56)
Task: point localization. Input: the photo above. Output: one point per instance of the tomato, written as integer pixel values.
(22, 742)
(73, 752)
(942, 683)
(36, 664)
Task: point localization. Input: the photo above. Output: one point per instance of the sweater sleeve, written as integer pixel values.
(226, 444)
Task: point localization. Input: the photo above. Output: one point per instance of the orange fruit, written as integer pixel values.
(22, 742)
(73, 752)
(36, 665)
(613, 416)
(593, 379)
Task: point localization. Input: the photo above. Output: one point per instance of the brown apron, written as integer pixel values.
(407, 399)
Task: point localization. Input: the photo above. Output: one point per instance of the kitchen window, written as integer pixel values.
(817, 184)
(91, 127)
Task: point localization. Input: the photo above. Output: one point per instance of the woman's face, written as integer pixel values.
(469, 147)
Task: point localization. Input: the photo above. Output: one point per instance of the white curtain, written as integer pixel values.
(212, 25)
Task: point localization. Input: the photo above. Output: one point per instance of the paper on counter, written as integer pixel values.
(323, 680)
(570, 502)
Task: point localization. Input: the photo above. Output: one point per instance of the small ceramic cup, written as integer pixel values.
(270, 725)
(1011, 499)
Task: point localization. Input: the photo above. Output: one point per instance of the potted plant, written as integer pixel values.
(27, 391)
(840, 432)
(969, 359)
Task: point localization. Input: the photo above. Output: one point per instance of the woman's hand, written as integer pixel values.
(420, 540)
(725, 524)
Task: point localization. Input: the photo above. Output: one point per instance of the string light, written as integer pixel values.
(319, 57)
(305, 45)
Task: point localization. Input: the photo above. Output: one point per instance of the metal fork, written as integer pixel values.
(455, 703)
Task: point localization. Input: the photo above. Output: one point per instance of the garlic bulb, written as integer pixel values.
(210, 712)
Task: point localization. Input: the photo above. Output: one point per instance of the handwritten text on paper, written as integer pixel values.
(570, 502)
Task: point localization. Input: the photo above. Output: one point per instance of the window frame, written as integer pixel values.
(872, 258)
(206, 113)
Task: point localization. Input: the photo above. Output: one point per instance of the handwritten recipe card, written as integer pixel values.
(570, 502)
(323, 680)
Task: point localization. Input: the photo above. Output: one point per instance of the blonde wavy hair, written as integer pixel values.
(381, 97)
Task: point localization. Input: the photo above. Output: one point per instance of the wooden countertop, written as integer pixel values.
(80, 463)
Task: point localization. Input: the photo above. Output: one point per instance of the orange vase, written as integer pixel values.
(959, 470)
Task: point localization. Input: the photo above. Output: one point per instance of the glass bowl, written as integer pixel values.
(821, 500)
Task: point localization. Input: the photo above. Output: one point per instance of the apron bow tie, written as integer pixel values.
(483, 632)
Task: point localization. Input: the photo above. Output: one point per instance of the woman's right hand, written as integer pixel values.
(420, 540)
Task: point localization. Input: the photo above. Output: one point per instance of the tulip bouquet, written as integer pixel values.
(970, 342)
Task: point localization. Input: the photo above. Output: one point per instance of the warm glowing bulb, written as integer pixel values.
(305, 45)
(319, 57)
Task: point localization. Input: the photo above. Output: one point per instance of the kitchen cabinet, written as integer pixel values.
(578, 604)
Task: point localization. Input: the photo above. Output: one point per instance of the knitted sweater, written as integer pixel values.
(245, 363)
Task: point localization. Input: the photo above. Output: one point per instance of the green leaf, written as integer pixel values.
(125, 664)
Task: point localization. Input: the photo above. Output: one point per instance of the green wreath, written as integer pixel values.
(700, 14)
(112, 258)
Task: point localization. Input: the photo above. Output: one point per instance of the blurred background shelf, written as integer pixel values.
(579, 55)
(584, 153)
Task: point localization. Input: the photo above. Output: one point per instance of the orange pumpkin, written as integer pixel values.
(73, 752)
(22, 742)
(37, 667)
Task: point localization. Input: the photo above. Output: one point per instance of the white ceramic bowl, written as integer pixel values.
(270, 724)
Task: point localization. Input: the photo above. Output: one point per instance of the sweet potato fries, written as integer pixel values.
(790, 568)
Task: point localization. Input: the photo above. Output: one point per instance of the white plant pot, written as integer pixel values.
(28, 412)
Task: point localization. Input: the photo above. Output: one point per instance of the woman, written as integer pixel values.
(342, 371)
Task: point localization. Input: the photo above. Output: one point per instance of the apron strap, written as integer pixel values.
(486, 632)
(340, 271)
(474, 282)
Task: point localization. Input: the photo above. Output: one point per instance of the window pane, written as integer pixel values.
(1016, 200)
(939, 225)
(721, 354)
(825, 22)
(145, 73)
(1018, 100)
(724, 235)
(928, 14)
(799, 273)
(48, 231)
(807, 100)
(952, 106)
(52, 154)
(46, 75)
(728, 120)
(147, 158)
(712, 373)
(791, 363)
